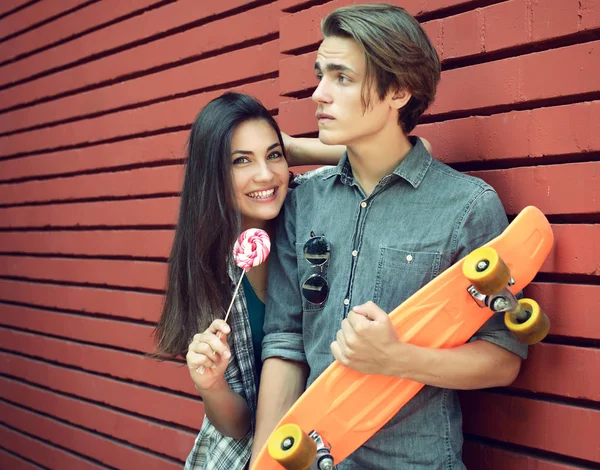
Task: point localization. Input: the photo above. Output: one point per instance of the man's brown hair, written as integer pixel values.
(398, 53)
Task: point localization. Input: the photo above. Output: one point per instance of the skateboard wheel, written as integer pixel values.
(485, 269)
(292, 447)
(534, 328)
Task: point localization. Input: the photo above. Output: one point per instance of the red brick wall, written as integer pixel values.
(95, 101)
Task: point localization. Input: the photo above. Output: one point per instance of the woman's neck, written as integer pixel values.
(266, 225)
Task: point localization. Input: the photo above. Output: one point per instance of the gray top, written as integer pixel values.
(418, 221)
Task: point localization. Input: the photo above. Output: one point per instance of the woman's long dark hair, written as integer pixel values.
(199, 288)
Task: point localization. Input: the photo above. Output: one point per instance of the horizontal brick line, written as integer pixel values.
(137, 135)
(90, 199)
(140, 42)
(580, 37)
(305, 6)
(87, 285)
(25, 459)
(166, 130)
(140, 104)
(93, 431)
(456, 9)
(55, 446)
(18, 8)
(559, 278)
(98, 374)
(544, 397)
(87, 228)
(523, 162)
(78, 313)
(93, 171)
(47, 20)
(505, 108)
(158, 259)
(532, 452)
(93, 29)
(577, 342)
(101, 404)
(88, 343)
(428, 16)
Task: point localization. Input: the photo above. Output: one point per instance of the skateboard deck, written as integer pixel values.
(346, 407)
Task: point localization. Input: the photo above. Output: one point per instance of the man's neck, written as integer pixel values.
(376, 157)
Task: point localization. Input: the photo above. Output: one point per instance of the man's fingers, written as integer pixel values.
(341, 342)
(349, 331)
(337, 353)
(358, 321)
(370, 311)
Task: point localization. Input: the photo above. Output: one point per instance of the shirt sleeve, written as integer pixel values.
(484, 220)
(283, 311)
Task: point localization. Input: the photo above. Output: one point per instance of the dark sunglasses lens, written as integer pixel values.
(316, 251)
(315, 289)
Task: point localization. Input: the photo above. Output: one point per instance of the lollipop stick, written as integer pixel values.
(200, 369)
(232, 300)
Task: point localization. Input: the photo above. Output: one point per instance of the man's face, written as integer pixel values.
(340, 68)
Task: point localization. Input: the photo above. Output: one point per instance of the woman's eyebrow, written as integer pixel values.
(250, 152)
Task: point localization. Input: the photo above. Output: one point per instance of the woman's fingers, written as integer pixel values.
(211, 345)
(195, 360)
(212, 341)
(218, 326)
(209, 348)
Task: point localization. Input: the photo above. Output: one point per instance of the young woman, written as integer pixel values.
(236, 178)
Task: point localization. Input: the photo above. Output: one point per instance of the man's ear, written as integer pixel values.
(399, 98)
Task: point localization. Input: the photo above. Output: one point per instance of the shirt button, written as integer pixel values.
(354, 252)
(363, 204)
(409, 258)
(346, 302)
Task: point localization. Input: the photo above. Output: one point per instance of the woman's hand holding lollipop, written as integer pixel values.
(251, 249)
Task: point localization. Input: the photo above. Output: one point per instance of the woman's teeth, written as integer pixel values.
(262, 194)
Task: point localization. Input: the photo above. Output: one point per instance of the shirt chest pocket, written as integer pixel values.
(401, 273)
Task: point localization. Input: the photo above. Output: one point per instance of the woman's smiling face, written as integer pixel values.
(260, 172)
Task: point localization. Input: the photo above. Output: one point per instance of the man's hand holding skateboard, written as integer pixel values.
(368, 343)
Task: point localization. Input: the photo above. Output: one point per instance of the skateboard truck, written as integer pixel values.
(324, 459)
(296, 450)
(490, 279)
(503, 301)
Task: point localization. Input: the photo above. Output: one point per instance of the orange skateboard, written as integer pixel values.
(343, 408)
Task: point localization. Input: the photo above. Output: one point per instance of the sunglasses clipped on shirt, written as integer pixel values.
(315, 288)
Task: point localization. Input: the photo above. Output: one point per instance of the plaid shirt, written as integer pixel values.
(212, 450)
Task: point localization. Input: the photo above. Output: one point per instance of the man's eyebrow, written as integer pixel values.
(334, 68)
(250, 152)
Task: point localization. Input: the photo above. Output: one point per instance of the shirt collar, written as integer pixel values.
(412, 169)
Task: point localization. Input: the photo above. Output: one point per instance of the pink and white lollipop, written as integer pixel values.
(251, 248)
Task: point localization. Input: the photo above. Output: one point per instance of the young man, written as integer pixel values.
(359, 239)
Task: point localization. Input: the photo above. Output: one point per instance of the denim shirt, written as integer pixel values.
(418, 221)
